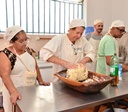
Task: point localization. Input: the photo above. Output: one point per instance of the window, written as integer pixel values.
(39, 16)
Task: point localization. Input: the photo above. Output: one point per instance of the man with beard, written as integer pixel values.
(94, 38)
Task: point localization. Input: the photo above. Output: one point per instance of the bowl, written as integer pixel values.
(100, 81)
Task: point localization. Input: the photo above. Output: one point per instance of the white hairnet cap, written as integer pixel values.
(98, 21)
(117, 23)
(76, 23)
(11, 32)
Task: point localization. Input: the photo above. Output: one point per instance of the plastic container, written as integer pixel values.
(114, 68)
(115, 110)
(120, 72)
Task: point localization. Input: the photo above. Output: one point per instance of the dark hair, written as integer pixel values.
(15, 37)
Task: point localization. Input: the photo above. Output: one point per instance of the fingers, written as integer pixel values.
(46, 83)
(13, 100)
(71, 66)
(19, 97)
(82, 65)
(14, 97)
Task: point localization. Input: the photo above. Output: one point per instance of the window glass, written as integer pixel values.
(39, 16)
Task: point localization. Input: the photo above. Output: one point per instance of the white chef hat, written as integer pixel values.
(11, 32)
(98, 21)
(76, 23)
(117, 23)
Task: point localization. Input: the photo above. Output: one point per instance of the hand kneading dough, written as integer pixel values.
(78, 74)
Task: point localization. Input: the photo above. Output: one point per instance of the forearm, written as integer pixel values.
(66, 64)
(58, 61)
(39, 78)
(8, 83)
(85, 60)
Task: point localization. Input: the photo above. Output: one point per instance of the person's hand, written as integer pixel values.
(14, 96)
(82, 66)
(71, 65)
(44, 83)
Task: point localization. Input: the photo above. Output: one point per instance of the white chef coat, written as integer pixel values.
(61, 47)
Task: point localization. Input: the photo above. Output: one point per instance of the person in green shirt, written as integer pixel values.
(108, 46)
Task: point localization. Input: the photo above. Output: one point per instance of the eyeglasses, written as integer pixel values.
(23, 43)
(121, 30)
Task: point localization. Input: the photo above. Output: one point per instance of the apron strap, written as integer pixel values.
(20, 59)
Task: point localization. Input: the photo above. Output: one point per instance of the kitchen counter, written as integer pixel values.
(45, 70)
(43, 64)
(60, 98)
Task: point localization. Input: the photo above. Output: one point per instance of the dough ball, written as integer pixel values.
(78, 74)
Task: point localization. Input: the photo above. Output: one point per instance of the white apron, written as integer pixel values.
(95, 44)
(17, 76)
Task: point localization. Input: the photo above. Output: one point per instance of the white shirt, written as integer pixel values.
(61, 47)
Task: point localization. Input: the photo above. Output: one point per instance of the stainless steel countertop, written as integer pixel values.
(42, 64)
(60, 98)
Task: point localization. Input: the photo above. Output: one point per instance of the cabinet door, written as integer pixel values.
(46, 73)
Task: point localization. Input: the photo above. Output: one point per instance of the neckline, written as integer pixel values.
(68, 41)
(97, 37)
(110, 34)
(16, 52)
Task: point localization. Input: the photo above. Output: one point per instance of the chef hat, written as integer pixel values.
(98, 21)
(11, 32)
(117, 23)
(76, 23)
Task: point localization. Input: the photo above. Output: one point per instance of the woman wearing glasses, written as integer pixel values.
(18, 68)
(108, 46)
(67, 50)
